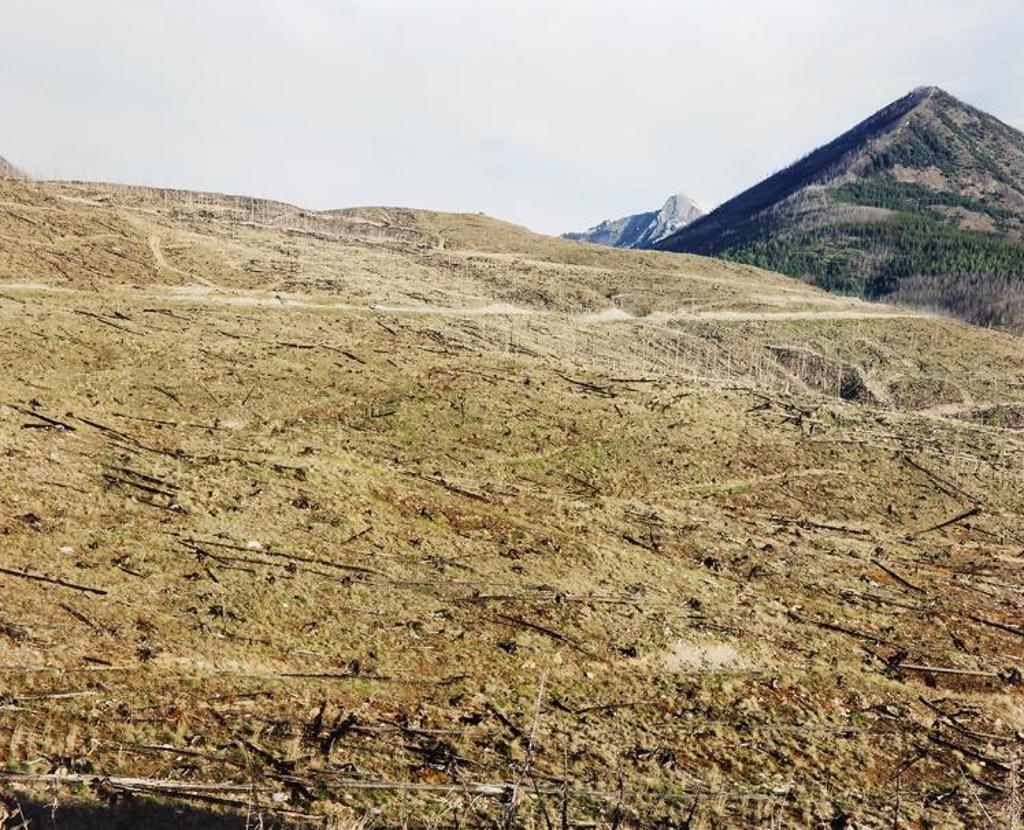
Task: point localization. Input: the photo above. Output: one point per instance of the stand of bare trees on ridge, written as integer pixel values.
(204, 206)
(980, 298)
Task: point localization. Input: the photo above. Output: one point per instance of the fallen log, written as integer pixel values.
(947, 670)
(509, 619)
(156, 785)
(51, 423)
(905, 583)
(1001, 626)
(53, 581)
(959, 517)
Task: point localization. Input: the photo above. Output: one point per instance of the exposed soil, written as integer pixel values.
(334, 558)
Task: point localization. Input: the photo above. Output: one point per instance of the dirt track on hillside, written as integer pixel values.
(210, 295)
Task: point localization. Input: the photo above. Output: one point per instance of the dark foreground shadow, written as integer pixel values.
(136, 814)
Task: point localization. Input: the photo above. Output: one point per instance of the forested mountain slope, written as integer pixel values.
(921, 204)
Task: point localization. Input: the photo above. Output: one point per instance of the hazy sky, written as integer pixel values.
(551, 113)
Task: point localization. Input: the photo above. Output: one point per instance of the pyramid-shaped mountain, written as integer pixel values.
(922, 204)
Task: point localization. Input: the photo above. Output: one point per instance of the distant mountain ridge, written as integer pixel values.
(922, 203)
(643, 230)
(9, 171)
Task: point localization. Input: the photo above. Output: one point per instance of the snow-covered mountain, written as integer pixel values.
(643, 229)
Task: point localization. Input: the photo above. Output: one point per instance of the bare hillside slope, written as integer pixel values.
(424, 520)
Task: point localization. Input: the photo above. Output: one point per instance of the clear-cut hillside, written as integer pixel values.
(921, 204)
(384, 517)
(9, 171)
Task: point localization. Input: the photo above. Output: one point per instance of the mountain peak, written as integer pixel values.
(643, 230)
(678, 211)
(921, 203)
(679, 204)
(821, 165)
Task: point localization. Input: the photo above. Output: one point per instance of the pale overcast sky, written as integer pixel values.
(551, 113)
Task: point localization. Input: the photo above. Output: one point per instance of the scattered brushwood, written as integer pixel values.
(372, 526)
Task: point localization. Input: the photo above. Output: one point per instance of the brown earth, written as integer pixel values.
(422, 520)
